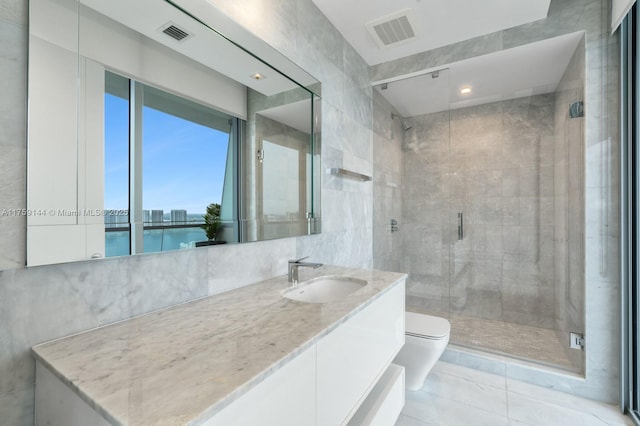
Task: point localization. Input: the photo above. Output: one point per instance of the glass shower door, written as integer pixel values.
(515, 221)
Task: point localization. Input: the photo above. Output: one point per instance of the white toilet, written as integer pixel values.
(426, 338)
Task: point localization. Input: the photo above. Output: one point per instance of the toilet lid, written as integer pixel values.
(422, 325)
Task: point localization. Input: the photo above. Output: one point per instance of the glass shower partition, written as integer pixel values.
(427, 183)
(492, 220)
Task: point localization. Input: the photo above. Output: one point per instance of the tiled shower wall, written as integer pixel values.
(494, 164)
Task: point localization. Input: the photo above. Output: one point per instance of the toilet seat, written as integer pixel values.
(426, 326)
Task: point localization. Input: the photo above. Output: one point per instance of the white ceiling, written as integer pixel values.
(527, 70)
(438, 22)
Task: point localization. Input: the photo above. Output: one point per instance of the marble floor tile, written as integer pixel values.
(409, 421)
(472, 390)
(434, 410)
(605, 412)
(494, 380)
(532, 411)
(454, 395)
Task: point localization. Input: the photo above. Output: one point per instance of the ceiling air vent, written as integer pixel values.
(392, 29)
(175, 32)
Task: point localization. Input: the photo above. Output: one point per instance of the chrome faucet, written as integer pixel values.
(295, 264)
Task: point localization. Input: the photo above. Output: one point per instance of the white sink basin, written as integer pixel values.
(324, 289)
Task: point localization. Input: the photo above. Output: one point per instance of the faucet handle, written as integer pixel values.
(299, 260)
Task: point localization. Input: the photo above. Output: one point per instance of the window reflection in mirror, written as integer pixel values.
(167, 174)
(283, 133)
(284, 200)
(116, 167)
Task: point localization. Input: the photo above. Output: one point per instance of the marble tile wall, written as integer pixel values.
(602, 165)
(13, 86)
(43, 303)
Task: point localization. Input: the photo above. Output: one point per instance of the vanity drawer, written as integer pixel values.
(385, 401)
(352, 358)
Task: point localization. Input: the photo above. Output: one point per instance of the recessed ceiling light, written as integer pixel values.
(258, 76)
(465, 90)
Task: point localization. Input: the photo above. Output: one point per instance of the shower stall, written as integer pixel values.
(479, 197)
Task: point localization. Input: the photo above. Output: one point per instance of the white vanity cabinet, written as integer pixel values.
(318, 365)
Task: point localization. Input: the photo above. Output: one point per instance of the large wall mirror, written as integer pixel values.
(161, 125)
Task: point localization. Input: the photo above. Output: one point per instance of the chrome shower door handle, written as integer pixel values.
(460, 226)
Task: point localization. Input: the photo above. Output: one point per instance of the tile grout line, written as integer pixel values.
(506, 390)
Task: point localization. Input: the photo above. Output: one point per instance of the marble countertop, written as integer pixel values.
(181, 365)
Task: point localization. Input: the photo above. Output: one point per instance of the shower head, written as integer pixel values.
(405, 125)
